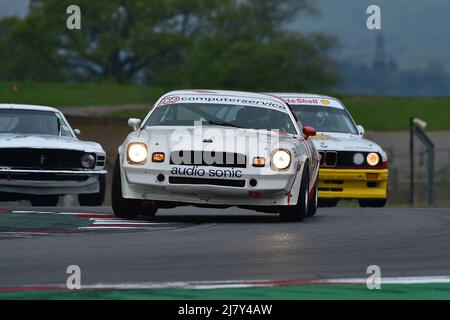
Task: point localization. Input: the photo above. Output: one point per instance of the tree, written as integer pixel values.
(7, 26)
(117, 41)
(248, 47)
(204, 43)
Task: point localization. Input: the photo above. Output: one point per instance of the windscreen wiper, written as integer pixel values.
(223, 124)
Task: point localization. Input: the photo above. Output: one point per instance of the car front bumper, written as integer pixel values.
(271, 189)
(50, 182)
(353, 183)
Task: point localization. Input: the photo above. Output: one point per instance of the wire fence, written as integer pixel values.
(399, 175)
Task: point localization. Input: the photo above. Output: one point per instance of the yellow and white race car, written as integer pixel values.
(351, 167)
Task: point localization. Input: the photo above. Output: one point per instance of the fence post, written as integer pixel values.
(417, 127)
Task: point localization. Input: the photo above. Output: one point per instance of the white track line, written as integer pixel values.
(202, 285)
(208, 285)
(59, 213)
(106, 228)
(396, 280)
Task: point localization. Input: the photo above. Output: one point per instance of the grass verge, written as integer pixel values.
(66, 95)
(302, 292)
(373, 112)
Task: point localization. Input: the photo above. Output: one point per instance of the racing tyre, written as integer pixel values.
(313, 201)
(300, 211)
(122, 208)
(8, 197)
(148, 209)
(374, 203)
(328, 203)
(44, 201)
(94, 199)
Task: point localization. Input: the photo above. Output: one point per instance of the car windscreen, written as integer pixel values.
(238, 116)
(33, 122)
(325, 118)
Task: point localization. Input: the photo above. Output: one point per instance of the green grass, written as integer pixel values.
(438, 291)
(377, 113)
(393, 113)
(64, 95)
(138, 113)
(374, 113)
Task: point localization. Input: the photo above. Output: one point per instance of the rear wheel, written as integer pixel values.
(94, 199)
(44, 201)
(373, 203)
(328, 203)
(8, 196)
(300, 211)
(313, 202)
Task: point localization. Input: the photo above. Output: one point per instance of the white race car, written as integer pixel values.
(41, 158)
(217, 149)
(351, 167)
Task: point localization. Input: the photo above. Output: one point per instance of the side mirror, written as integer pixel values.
(77, 132)
(309, 132)
(134, 123)
(361, 130)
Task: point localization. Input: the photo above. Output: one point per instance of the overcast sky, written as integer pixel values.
(13, 7)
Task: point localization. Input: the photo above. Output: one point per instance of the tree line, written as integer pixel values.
(230, 44)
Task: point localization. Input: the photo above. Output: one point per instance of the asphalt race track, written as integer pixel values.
(191, 244)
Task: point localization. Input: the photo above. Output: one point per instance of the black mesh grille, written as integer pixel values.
(209, 158)
(41, 177)
(202, 181)
(46, 159)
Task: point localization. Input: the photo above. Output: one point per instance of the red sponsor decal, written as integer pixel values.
(301, 101)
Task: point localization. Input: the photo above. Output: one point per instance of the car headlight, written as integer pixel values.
(373, 159)
(358, 159)
(137, 153)
(87, 160)
(281, 159)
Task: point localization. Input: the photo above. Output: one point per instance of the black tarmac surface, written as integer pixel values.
(233, 244)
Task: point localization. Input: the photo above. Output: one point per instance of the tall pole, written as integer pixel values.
(411, 157)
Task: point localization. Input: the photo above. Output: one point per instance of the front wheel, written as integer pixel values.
(313, 201)
(94, 199)
(373, 203)
(300, 211)
(44, 201)
(125, 208)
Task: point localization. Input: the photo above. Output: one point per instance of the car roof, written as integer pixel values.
(27, 107)
(308, 96)
(223, 92)
(300, 95)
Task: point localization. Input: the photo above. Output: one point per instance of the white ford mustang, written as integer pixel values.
(217, 149)
(41, 158)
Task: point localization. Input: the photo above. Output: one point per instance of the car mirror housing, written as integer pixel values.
(134, 123)
(309, 131)
(361, 130)
(77, 132)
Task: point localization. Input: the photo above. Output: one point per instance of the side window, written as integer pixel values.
(65, 131)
